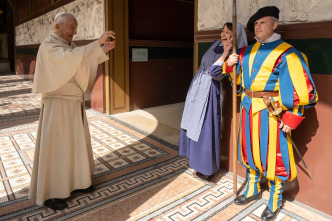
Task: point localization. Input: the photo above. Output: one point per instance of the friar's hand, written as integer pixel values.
(106, 37)
(108, 46)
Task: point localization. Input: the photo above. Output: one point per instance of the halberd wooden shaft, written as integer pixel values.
(234, 99)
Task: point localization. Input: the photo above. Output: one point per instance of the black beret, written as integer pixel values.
(262, 12)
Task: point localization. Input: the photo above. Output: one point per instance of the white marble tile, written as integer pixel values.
(118, 163)
(151, 152)
(20, 170)
(248, 218)
(136, 157)
(23, 180)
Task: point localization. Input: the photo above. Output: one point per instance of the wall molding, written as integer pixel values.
(306, 30)
(28, 46)
(153, 43)
(77, 43)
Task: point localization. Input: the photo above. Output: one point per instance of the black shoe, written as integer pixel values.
(242, 200)
(214, 178)
(204, 178)
(56, 204)
(268, 215)
(208, 180)
(90, 189)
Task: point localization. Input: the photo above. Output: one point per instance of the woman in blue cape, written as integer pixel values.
(201, 119)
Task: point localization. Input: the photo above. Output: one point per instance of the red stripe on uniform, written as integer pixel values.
(251, 133)
(241, 54)
(310, 88)
(243, 136)
(280, 168)
(259, 135)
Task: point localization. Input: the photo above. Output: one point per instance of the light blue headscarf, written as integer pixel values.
(198, 93)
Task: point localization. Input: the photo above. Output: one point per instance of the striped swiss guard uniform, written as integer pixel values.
(276, 70)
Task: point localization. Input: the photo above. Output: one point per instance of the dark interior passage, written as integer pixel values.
(165, 29)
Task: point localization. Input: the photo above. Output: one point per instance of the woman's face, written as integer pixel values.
(225, 35)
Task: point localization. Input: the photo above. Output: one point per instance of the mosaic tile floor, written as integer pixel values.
(138, 176)
(17, 103)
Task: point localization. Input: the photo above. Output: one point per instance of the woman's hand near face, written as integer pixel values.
(227, 47)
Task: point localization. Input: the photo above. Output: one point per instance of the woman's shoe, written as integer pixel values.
(197, 174)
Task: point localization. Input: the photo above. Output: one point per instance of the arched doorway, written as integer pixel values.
(6, 38)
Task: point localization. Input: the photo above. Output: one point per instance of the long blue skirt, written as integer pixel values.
(204, 155)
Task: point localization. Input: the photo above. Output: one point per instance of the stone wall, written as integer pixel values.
(89, 14)
(212, 14)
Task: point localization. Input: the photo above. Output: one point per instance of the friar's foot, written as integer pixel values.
(268, 215)
(243, 200)
(56, 204)
(90, 189)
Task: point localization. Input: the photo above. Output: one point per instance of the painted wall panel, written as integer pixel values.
(89, 14)
(212, 14)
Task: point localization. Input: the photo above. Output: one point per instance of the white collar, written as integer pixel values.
(274, 37)
(57, 37)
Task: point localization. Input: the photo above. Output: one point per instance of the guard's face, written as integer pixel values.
(225, 35)
(264, 29)
(68, 29)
